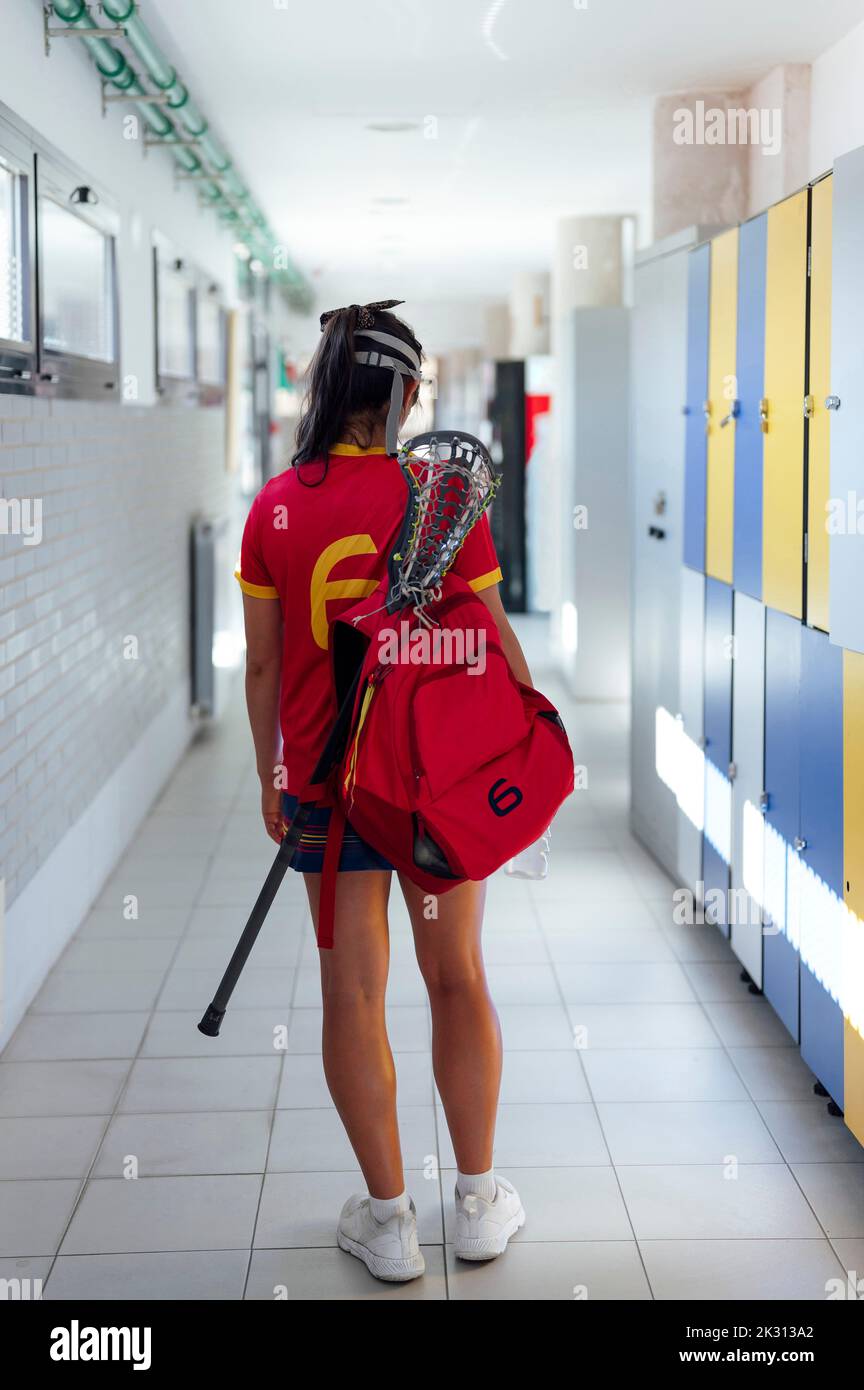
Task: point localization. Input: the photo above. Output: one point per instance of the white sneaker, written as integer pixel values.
(389, 1249)
(483, 1228)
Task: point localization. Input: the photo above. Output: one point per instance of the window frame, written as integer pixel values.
(211, 392)
(171, 387)
(19, 356)
(61, 373)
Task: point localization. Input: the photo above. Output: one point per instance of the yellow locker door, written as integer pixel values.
(722, 394)
(853, 874)
(783, 406)
(818, 472)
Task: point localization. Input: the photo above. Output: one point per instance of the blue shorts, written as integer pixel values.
(309, 858)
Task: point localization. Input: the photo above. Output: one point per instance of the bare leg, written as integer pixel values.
(466, 1036)
(358, 1063)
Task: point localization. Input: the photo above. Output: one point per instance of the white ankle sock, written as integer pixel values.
(384, 1207)
(481, 1184)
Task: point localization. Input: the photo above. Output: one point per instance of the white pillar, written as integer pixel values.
(590, 632)
(529, 314)
(496, 338)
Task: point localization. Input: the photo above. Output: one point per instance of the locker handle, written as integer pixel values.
(763, 415)
(832, 402)
(799, 844)
(733, 414)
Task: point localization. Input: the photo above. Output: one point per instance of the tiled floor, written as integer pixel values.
(657, 1120)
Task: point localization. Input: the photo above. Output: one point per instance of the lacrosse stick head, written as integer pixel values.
(451, 481)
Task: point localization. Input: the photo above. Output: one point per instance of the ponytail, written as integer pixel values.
(339, 388)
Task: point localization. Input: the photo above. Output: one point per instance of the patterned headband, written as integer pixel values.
(365, 312)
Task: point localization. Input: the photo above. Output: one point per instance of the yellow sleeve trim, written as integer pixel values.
(486, 580)
(255, 590)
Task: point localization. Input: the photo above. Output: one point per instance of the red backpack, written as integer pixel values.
(442, 760)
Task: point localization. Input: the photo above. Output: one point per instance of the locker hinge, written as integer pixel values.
(763, 414)
(809, 260)
(733, 772)
(809, 407)
(764, 802)
(806, 547)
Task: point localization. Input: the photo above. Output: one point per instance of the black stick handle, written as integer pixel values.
(212, 1019)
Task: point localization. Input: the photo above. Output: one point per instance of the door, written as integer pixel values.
(748, 761)
(657, 365)
(722, 407)
(695, 407)
(508, 511)
(846, 544)
(783, 458)
(819, 870)
(750, 362)
(852, 997)
(716, 850)
(818, 392)
(782, 814)
(690, 771)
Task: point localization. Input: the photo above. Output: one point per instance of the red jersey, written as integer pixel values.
(318, 550)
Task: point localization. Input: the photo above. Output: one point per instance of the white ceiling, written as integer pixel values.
(536, 108)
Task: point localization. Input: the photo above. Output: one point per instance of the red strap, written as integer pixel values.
(329, 870)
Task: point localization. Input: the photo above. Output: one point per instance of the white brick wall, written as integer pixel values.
(119, 486)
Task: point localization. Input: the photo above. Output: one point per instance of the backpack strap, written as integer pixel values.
(329, 870)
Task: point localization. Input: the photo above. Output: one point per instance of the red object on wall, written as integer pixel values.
(534, 406)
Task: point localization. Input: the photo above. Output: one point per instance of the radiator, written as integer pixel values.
(211, 568)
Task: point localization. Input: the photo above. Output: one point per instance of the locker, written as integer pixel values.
(846, 544)
(695, 453)
(783, 443)
(818, 391)
(852, 998)
(718, 742)
(820, 870)
(722, 407)
(690, 779)
(782, 815)
(750, 359)
(658, 360)
(748, 740)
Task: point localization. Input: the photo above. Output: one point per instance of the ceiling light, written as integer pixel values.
(241, 251)
(397, 127)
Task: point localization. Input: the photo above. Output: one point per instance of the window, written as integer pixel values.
(76, 232)
(11, 261)
(175, 322)
(17, 343)
(210, 337)
(77, 285)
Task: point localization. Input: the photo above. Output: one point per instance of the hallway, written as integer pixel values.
(656, 1117)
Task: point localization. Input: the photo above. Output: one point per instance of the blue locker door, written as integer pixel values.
(782, 816)
(820, 872)
(716, 851)
(748, 431)
(695, 453)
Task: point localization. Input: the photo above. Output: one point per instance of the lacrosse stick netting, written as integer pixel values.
(451, 481)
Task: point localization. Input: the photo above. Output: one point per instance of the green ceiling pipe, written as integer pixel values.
(165, 77)
(238, 208)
